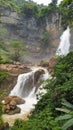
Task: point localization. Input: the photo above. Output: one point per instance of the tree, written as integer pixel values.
(46, 40)
(17, 49)
(29, 8)
(54, 1)
(66, 10)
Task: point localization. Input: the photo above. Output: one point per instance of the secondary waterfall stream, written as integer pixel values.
(26, 89)
(64, 45)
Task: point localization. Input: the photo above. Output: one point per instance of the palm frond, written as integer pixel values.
(68, 124)
(65, 117)
(67, 104)
(63, 110)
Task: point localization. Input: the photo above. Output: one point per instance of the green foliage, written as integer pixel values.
(68, 116)
(41, 121)
(3, 75)
(66, 10)
(29, 8)
(44, 63)
(17, 48)
(8, 3)
(1, 120)
(3, 34)
(46, 40)
(61, 86)
(45, 11)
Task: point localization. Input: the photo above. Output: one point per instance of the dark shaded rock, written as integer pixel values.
(10, 105)
(6, 108)
(37, 75)
(51, 65)
(16, 110)
(6, 126)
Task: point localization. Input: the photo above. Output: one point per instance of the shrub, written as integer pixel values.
(3, 75)
(67, 117)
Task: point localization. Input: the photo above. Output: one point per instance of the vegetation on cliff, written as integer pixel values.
(29, 9)
(66, 10)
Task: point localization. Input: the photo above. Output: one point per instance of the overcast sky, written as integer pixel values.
(45, 2)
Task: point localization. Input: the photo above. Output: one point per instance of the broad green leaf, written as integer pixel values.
(67, 124)
(67, 104)
(66, 116)
(63, 110)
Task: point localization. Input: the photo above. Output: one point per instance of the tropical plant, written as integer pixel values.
(68, 116)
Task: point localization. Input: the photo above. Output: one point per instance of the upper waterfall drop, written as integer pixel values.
(64, 45)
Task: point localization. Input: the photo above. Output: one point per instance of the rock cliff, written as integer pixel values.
(41, 37)
(33, 33)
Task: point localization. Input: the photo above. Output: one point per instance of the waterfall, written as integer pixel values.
(24, 82)
(64, 46)
(25, 88)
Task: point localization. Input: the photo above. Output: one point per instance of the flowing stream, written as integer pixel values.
(64, 45)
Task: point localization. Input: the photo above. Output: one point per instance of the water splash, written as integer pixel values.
(64, 46)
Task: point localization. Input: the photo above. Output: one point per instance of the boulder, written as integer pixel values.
(10, 105)
(17, 99)
(44, 63)
(16, 110)
(5, 108)
(51, 65)
(37, 75)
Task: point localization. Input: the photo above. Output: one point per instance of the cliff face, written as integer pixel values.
(32, 33)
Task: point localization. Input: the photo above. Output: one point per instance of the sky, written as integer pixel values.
(45, 2)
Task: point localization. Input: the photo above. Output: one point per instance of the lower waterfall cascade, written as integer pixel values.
(25, 89)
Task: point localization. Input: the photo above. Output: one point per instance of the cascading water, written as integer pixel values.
(64, 46)
(25, 89)
(24, 82)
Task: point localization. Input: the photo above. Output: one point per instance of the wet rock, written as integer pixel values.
(10, 105)
(37, 75)
(17, 99)
(15, 68)
(5, 108)
(16, 110)
(52, 64)
(44, 63)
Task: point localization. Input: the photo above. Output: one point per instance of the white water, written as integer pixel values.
(64, 46)
(28, 94)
